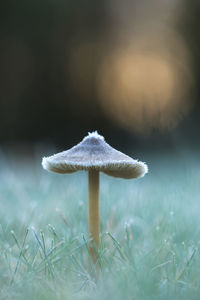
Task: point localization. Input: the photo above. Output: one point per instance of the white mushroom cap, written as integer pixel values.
(94, 153)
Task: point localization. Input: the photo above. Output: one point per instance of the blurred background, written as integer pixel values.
(128, 69)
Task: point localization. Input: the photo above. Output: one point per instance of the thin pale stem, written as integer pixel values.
(93, 212)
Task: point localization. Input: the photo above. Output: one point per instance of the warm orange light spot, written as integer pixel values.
(143, 90)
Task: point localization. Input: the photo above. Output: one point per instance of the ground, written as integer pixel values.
(150, 232)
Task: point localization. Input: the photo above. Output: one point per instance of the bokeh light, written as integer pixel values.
(145, 84)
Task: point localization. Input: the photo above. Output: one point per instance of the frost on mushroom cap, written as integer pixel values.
(94, 153)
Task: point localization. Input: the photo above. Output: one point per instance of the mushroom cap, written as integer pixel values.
(93, 153)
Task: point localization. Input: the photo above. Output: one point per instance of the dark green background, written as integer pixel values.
(48, 109)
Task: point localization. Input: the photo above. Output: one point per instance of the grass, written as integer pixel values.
(150, 233)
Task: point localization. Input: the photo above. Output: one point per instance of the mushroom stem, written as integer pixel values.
(93, 211)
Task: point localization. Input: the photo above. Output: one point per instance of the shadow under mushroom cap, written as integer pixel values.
(93, 153)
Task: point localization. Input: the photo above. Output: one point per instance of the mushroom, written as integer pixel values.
(94, 155)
